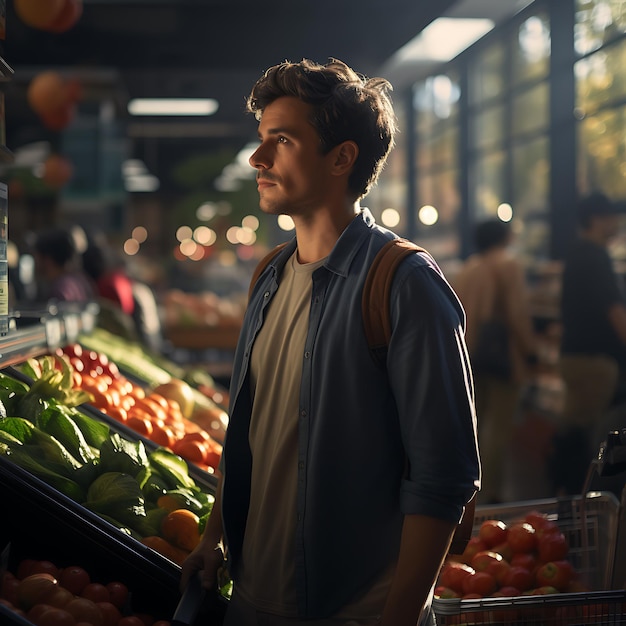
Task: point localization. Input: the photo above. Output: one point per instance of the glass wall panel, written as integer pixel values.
(487, 73)
(602, 153)
(600, 78)
(487, 127)
(531, 52)
(530, 110)
(531, 178)
(488, 184)
(598, 21)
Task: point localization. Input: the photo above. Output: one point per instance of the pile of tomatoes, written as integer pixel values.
(526, 557)
(47, 595)
(150, 414)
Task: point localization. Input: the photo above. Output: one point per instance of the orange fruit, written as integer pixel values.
(191, 450)
(140, 424)
(181, 528)
(163, 435)
(165, 548)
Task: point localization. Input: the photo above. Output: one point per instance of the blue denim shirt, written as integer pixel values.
(372, 445)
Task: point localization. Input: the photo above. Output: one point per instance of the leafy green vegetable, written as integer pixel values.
(120, 455)
(172, 468)
(94, 431)
(118, 495)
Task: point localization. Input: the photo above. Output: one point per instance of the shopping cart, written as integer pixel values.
(590, 525)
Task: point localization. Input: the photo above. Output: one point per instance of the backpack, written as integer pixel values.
(377, 323)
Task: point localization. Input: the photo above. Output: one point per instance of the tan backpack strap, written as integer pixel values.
(262, 264)
(377, 290)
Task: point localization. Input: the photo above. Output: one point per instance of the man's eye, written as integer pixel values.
(282, 139)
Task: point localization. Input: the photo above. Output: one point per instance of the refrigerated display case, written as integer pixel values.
(41, 523)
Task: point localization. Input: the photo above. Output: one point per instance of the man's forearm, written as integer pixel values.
(424, 545)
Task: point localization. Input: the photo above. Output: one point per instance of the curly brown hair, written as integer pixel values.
(346, 106)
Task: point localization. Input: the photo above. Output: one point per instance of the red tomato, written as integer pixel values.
(508, 592)
(505, 550)
(84, 610)
(482, 560)
(519, 577)
(522, 537)
(499, 570)
(118, 593)
(130, 620)
(453, 574)
(552, 546)
(555, 574)
(45, 567)
(96, 593)
(525, 559)
(74, 578)
(445, 592)
(56, 617)
(481, 583)
(58, 597)
(34, 588)
(492, 532)
(10, 585)
(24, 568)
(474, 545)
(110, 613)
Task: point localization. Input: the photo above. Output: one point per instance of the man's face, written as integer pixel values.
(292, 173)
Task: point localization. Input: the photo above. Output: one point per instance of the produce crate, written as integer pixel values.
(590, 525)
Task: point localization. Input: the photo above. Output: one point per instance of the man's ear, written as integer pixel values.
(345, 155)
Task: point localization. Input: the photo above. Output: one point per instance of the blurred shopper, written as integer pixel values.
(58, 267)
(593, 348)
(342, 483)
(128, 306)
(502, 345)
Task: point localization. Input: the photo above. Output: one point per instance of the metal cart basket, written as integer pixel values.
(590, 525)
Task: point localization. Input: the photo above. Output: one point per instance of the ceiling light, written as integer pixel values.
(444, 39)
(172, 106)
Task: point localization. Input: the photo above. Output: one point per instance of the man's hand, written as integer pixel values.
(205, 559)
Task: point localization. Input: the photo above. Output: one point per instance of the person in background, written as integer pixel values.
(593, 345)
(341, 482)
(492, 287)
(58, 268)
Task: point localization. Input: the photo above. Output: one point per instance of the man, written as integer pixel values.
(593, 347)
(492, 288)
(342, 483)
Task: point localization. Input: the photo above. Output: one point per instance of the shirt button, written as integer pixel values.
(302, 413)
(307, 354)
(266, 294)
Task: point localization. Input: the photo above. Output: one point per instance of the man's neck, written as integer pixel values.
(318, 234)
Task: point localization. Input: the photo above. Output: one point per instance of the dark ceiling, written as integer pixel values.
(200, 48)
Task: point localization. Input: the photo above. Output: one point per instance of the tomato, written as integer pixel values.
(140, 424)
(34, 588)
(34, 613)
(96, 592)
(146, 618)
(10, 585)
(445, 592)
(474, 545)
(162, 622)
(45, 567)
(193, 451)
(552, 546)
(110, 613)
(118, 594)
(525, 559)
(84, 610)
(493, 532)
(130, 620)
(213, 458)
(521, 537)
(74, 578)
(481, 583)
(453, 574)
(519, 577)
(508, 592)
(56, 617)
(163, 436)
(555, 574)
(481, 560)
(541, 522)
(499, 570)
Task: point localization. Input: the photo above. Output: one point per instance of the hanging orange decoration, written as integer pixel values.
(54, 98)
(67, 18)
(57, 171)
(47, 92)
(38, 13)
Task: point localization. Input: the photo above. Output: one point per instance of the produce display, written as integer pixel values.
(528, 556)
(209, 400)
(48, 595)
(146, 493)
(161, 414)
